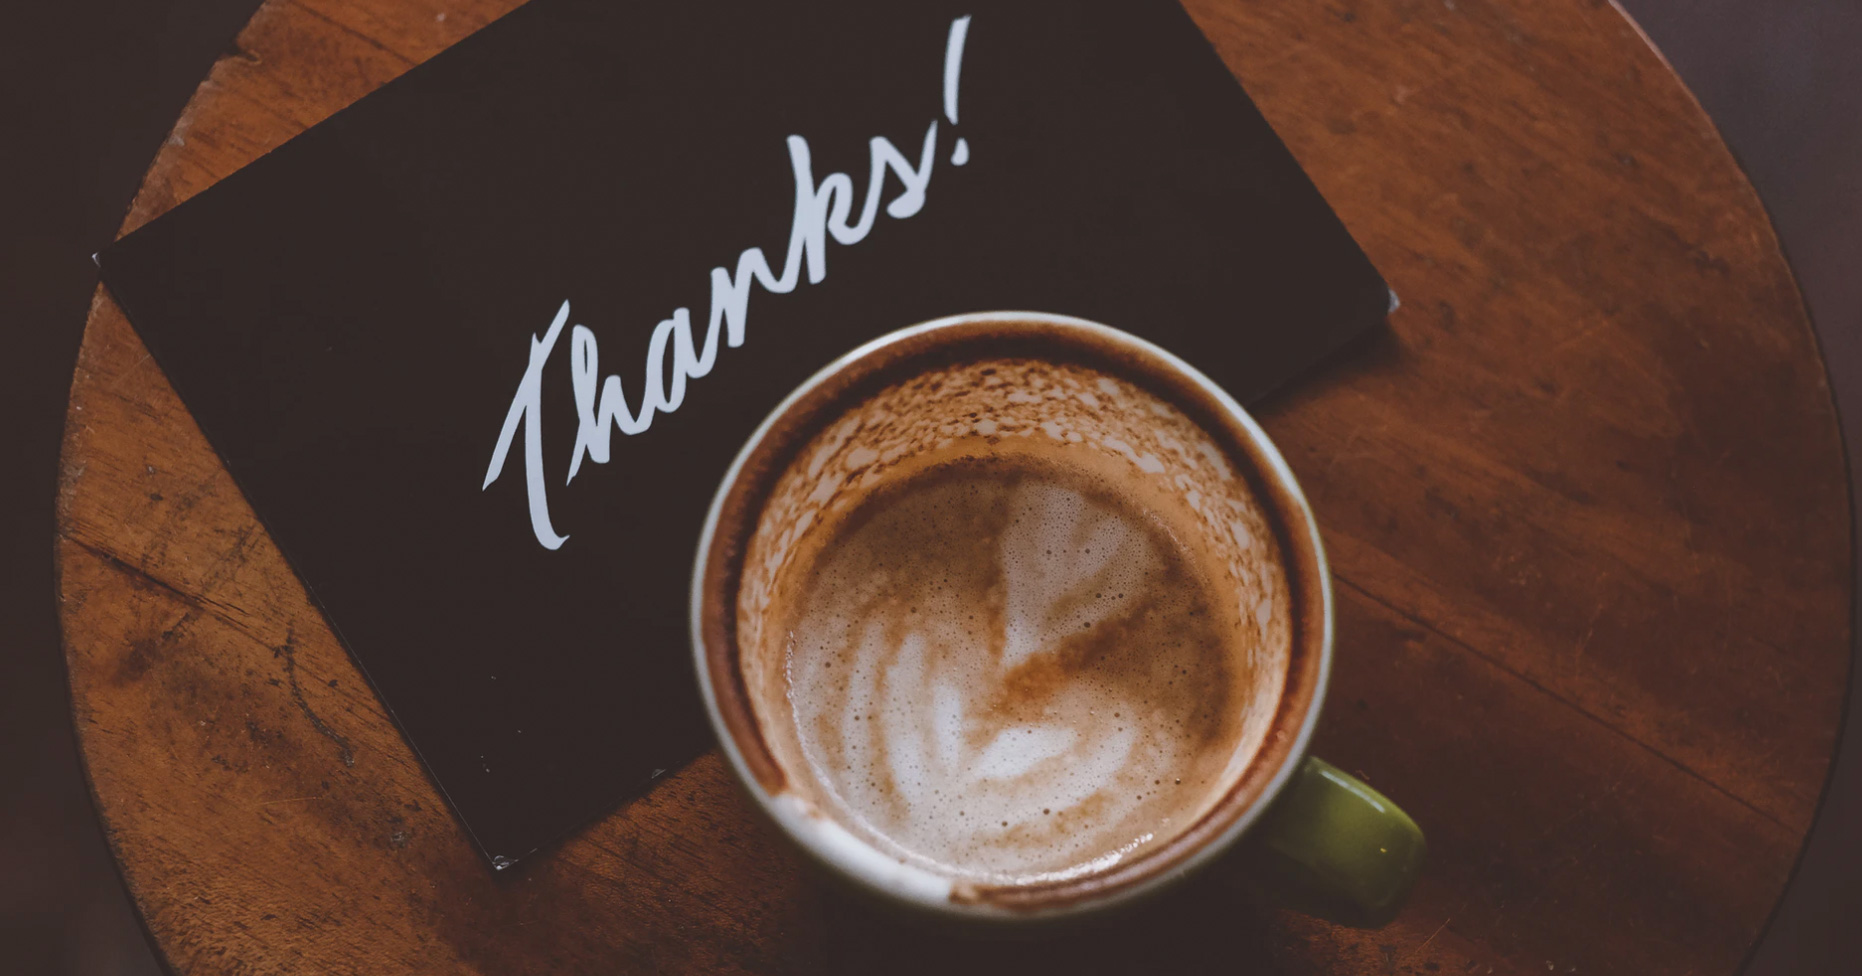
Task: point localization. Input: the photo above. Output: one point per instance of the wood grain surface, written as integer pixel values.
(1585, 500)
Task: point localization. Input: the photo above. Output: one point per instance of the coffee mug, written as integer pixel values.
(1083, 624)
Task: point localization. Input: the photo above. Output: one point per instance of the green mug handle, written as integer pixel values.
(1332, 847)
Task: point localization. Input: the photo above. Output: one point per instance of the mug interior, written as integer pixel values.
(735, 569)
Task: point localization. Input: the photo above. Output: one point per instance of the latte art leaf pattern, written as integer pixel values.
(1002, 676)
(1012, 620)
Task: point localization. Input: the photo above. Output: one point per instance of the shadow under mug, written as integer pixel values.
(1291, 828)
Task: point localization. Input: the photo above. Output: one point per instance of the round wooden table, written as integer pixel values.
(1585, 500)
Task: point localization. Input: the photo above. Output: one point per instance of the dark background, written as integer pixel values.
(88, 88)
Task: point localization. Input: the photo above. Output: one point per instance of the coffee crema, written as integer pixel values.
(1013, 621)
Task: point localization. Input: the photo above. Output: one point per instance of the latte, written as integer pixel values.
(1013, 621)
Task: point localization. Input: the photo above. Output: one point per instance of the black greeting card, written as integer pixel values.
(479, 348)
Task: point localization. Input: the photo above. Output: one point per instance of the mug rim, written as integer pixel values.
(878, 873)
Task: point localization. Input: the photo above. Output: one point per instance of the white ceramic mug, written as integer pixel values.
(1311, 836)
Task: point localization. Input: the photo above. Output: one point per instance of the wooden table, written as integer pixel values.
(1585, 499)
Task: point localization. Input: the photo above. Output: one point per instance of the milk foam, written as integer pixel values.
(1005, 678)
(1012, 621)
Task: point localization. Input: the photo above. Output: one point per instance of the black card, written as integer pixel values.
(397, 330)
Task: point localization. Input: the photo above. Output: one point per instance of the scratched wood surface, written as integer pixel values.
(1585, 499)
